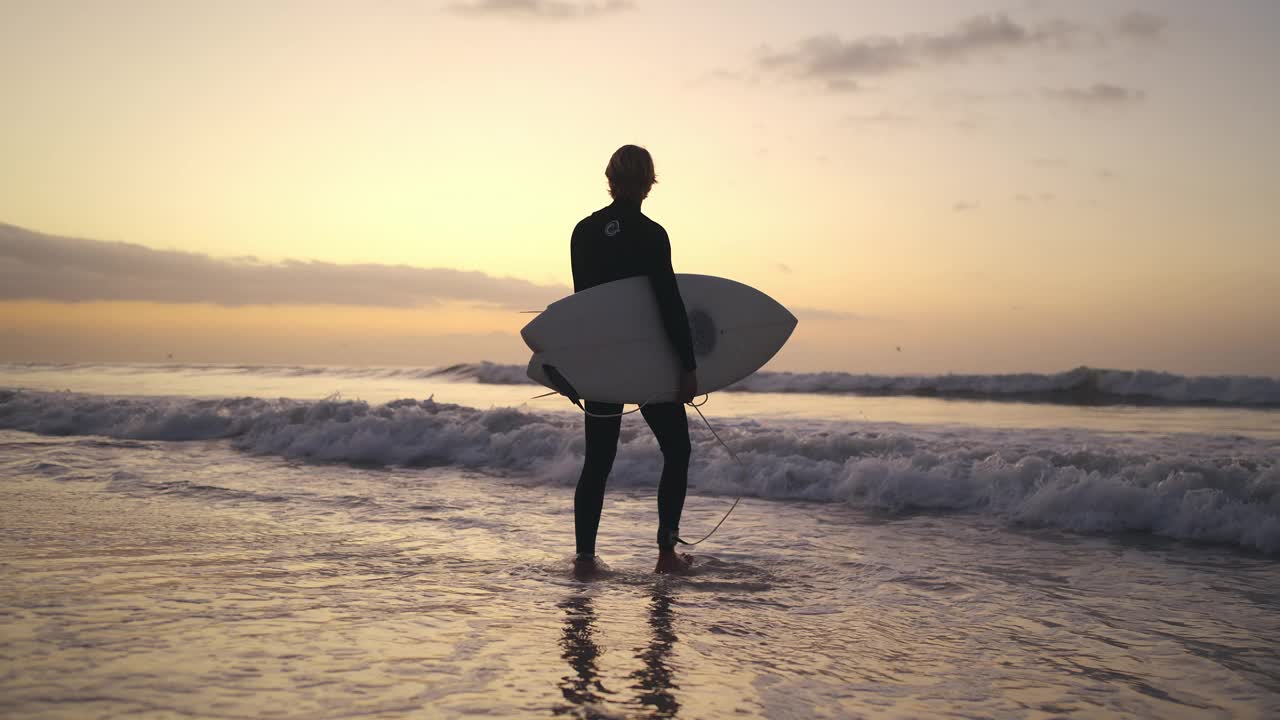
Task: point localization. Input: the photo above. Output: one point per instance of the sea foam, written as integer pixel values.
(1194, 487)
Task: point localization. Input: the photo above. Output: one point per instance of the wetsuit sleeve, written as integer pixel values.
(670, 304)
(578, 262)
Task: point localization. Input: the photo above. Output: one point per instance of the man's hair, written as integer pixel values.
(630, 173)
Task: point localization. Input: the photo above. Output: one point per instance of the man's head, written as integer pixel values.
(630, 173)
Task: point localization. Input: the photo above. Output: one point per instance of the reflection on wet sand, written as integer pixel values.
(584, 690)
(654, 679)
(580, 651)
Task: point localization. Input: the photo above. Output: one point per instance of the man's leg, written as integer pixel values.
(588, 499)
(671, 427)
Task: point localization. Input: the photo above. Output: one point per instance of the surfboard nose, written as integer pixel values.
(530, 331)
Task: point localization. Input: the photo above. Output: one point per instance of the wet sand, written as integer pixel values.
(188, 580)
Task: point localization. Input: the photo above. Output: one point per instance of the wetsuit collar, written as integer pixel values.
(626, 202)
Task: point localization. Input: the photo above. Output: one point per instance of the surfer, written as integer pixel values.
(613, 243)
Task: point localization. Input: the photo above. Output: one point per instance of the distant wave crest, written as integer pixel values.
(1081, 386)
(1218, 489)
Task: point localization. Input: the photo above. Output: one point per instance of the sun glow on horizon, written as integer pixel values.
(1032, 189)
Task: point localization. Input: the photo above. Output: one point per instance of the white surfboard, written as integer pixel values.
(608, 341)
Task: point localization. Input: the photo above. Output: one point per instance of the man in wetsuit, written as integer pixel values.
(613, 243)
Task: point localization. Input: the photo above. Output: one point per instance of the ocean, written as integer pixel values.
(233, 541)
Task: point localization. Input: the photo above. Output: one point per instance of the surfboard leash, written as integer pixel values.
(732, 454)
(577, 401)
(609, 415)
(714, 434)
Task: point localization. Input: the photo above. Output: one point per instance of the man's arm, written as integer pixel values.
(577, 261)
(670, 305)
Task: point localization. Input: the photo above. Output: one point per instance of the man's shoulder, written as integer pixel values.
(594, 218)
(654, 227)
(586, 224)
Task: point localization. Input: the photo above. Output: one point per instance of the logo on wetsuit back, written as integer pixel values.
(613, 228)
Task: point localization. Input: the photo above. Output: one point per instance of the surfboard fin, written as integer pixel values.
(564, 386)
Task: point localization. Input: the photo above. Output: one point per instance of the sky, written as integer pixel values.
(960, 186)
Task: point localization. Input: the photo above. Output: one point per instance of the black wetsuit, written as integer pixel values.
(613, 243)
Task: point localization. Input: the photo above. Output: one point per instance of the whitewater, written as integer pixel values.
(240, 540)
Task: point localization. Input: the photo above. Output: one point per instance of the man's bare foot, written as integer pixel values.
(587, 567)
(670, 561)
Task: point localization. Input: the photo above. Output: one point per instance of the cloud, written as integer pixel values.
(833, 60)
(842, 85)
(963, 207)
(830, 57)
(884, 118)
(838, 64)
(36, 266)
(1096, 96)
(988, 33)
(1034, 198)
(542, 9)
(1140, 26)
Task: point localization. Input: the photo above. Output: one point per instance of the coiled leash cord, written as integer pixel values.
(698, 407)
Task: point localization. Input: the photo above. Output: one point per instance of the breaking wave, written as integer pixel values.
(1193, 487)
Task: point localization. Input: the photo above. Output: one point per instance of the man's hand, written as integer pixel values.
(688, 386)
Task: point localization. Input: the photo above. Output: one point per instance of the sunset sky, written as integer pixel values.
(990, 187)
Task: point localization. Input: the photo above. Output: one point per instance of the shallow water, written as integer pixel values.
(185, 541)
(188, 578)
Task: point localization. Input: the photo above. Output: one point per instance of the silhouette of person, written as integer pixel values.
(613, 243)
